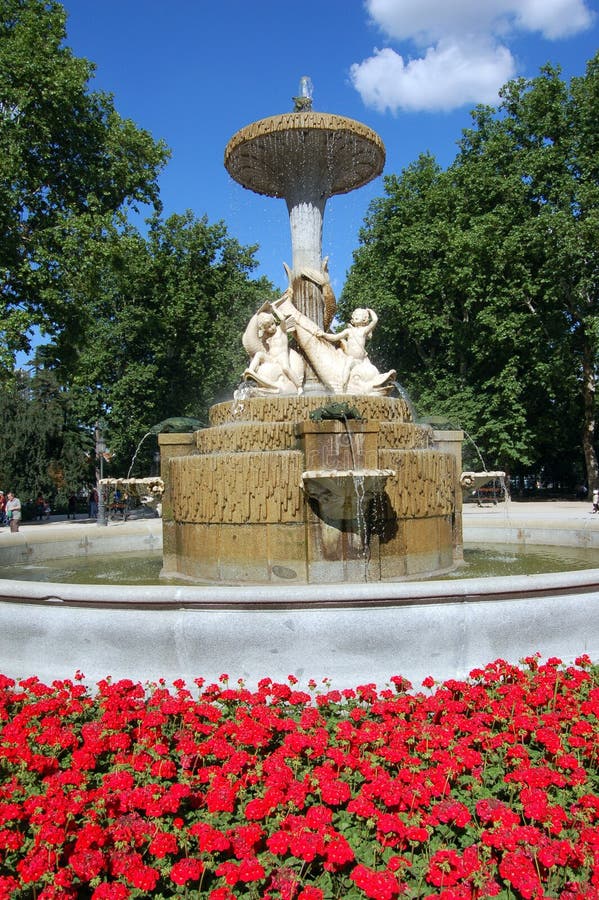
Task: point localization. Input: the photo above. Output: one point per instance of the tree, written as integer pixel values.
(553, 128)
(68, 164)
(41, 446)
(486, 275)
(162, 331)
(138, 327)
(423, 269)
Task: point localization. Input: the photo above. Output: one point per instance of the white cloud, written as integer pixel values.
(554, 18)
(448, 76)
(464, 57)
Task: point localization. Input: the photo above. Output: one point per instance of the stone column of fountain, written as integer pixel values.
(269, 494)
(306, 157)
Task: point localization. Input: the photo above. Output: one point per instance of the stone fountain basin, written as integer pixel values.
(343, 492)
(350, 633)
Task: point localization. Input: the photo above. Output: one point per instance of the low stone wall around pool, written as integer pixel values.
(58, 540)
(349, 633)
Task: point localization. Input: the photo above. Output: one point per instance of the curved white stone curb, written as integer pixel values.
(413, 634)
(349, 633)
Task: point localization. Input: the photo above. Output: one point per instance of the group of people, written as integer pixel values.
(42, 509)
(10, 510)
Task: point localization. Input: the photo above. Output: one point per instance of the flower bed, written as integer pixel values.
(482, 788)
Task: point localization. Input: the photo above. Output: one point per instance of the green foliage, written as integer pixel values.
(140, 328)
(68, 163)
(161, 335)
(41, 447)
(485, 276)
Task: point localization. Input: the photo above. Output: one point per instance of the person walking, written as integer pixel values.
(72, 507)
(40, 507)
(93, 503)
(13, 511)
(2, 509)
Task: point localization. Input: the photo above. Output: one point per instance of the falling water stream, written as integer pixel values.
(243, 393)
(360, 493)
(364, 548)
(401, 392)
(478, 453)
(137, 449)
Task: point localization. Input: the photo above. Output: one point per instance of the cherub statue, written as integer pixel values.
(358, 370)
(275, 367)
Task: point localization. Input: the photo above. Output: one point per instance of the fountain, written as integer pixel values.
(272, 486)
(313, 493)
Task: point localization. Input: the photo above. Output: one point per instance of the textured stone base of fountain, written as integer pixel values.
(349, 634)
(238, 509)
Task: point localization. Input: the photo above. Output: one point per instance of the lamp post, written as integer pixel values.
(100, 451)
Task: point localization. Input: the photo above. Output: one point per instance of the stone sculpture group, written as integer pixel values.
(339, 359)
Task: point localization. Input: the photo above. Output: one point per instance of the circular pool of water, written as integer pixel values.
(143, 568)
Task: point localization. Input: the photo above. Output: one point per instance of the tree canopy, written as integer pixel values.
(131, 326)
(42, 447)
(160, 318)
(68, 164)
(164, 317)
(486, 276)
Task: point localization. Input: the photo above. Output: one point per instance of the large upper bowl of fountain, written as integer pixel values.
(269, 156)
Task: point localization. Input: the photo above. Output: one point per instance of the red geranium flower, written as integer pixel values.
(113, 890)
(186, 869)
(376, 884)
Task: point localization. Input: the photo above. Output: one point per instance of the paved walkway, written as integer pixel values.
(554, 511)
(549, 510)
(59, 523)
(561, 523)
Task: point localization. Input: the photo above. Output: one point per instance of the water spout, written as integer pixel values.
(336, 493)
(441, 421)
(473, 443)
(303, 101)
(137, 449)
(401, 392)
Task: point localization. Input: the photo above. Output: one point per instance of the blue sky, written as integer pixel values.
(193, 72)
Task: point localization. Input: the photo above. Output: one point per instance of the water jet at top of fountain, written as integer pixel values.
(304, 99)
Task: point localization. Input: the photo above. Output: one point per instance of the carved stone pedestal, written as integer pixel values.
(241, 504)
